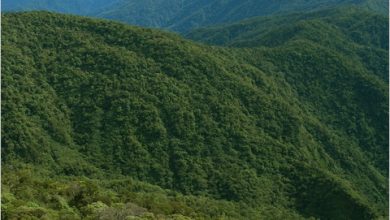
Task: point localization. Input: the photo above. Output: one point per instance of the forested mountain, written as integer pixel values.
(183, 15)
(103, 120)
(361, 35)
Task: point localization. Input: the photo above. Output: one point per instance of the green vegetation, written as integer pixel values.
(27, 196)
(105, 120)
(359, 34)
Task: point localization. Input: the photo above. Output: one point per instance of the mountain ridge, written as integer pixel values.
(247, 126)
(335, 28)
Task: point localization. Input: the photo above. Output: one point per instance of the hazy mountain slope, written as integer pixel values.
(148, 13)
(217, 11)
(378, 5)
(293, 131)
(81, 7)
(354, 23)
(359, 34)
(184, 15)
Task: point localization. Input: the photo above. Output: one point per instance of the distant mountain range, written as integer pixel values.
(183, 15)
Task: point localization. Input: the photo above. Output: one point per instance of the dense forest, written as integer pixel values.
(184, 15)
(364, 40)
(101, 120)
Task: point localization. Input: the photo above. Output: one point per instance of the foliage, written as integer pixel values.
(121, 121)
(28, 196)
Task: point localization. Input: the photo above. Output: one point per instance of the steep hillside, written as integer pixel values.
(184, 15)
(94, 112)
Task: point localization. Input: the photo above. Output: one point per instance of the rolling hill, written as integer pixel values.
(104, 120)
